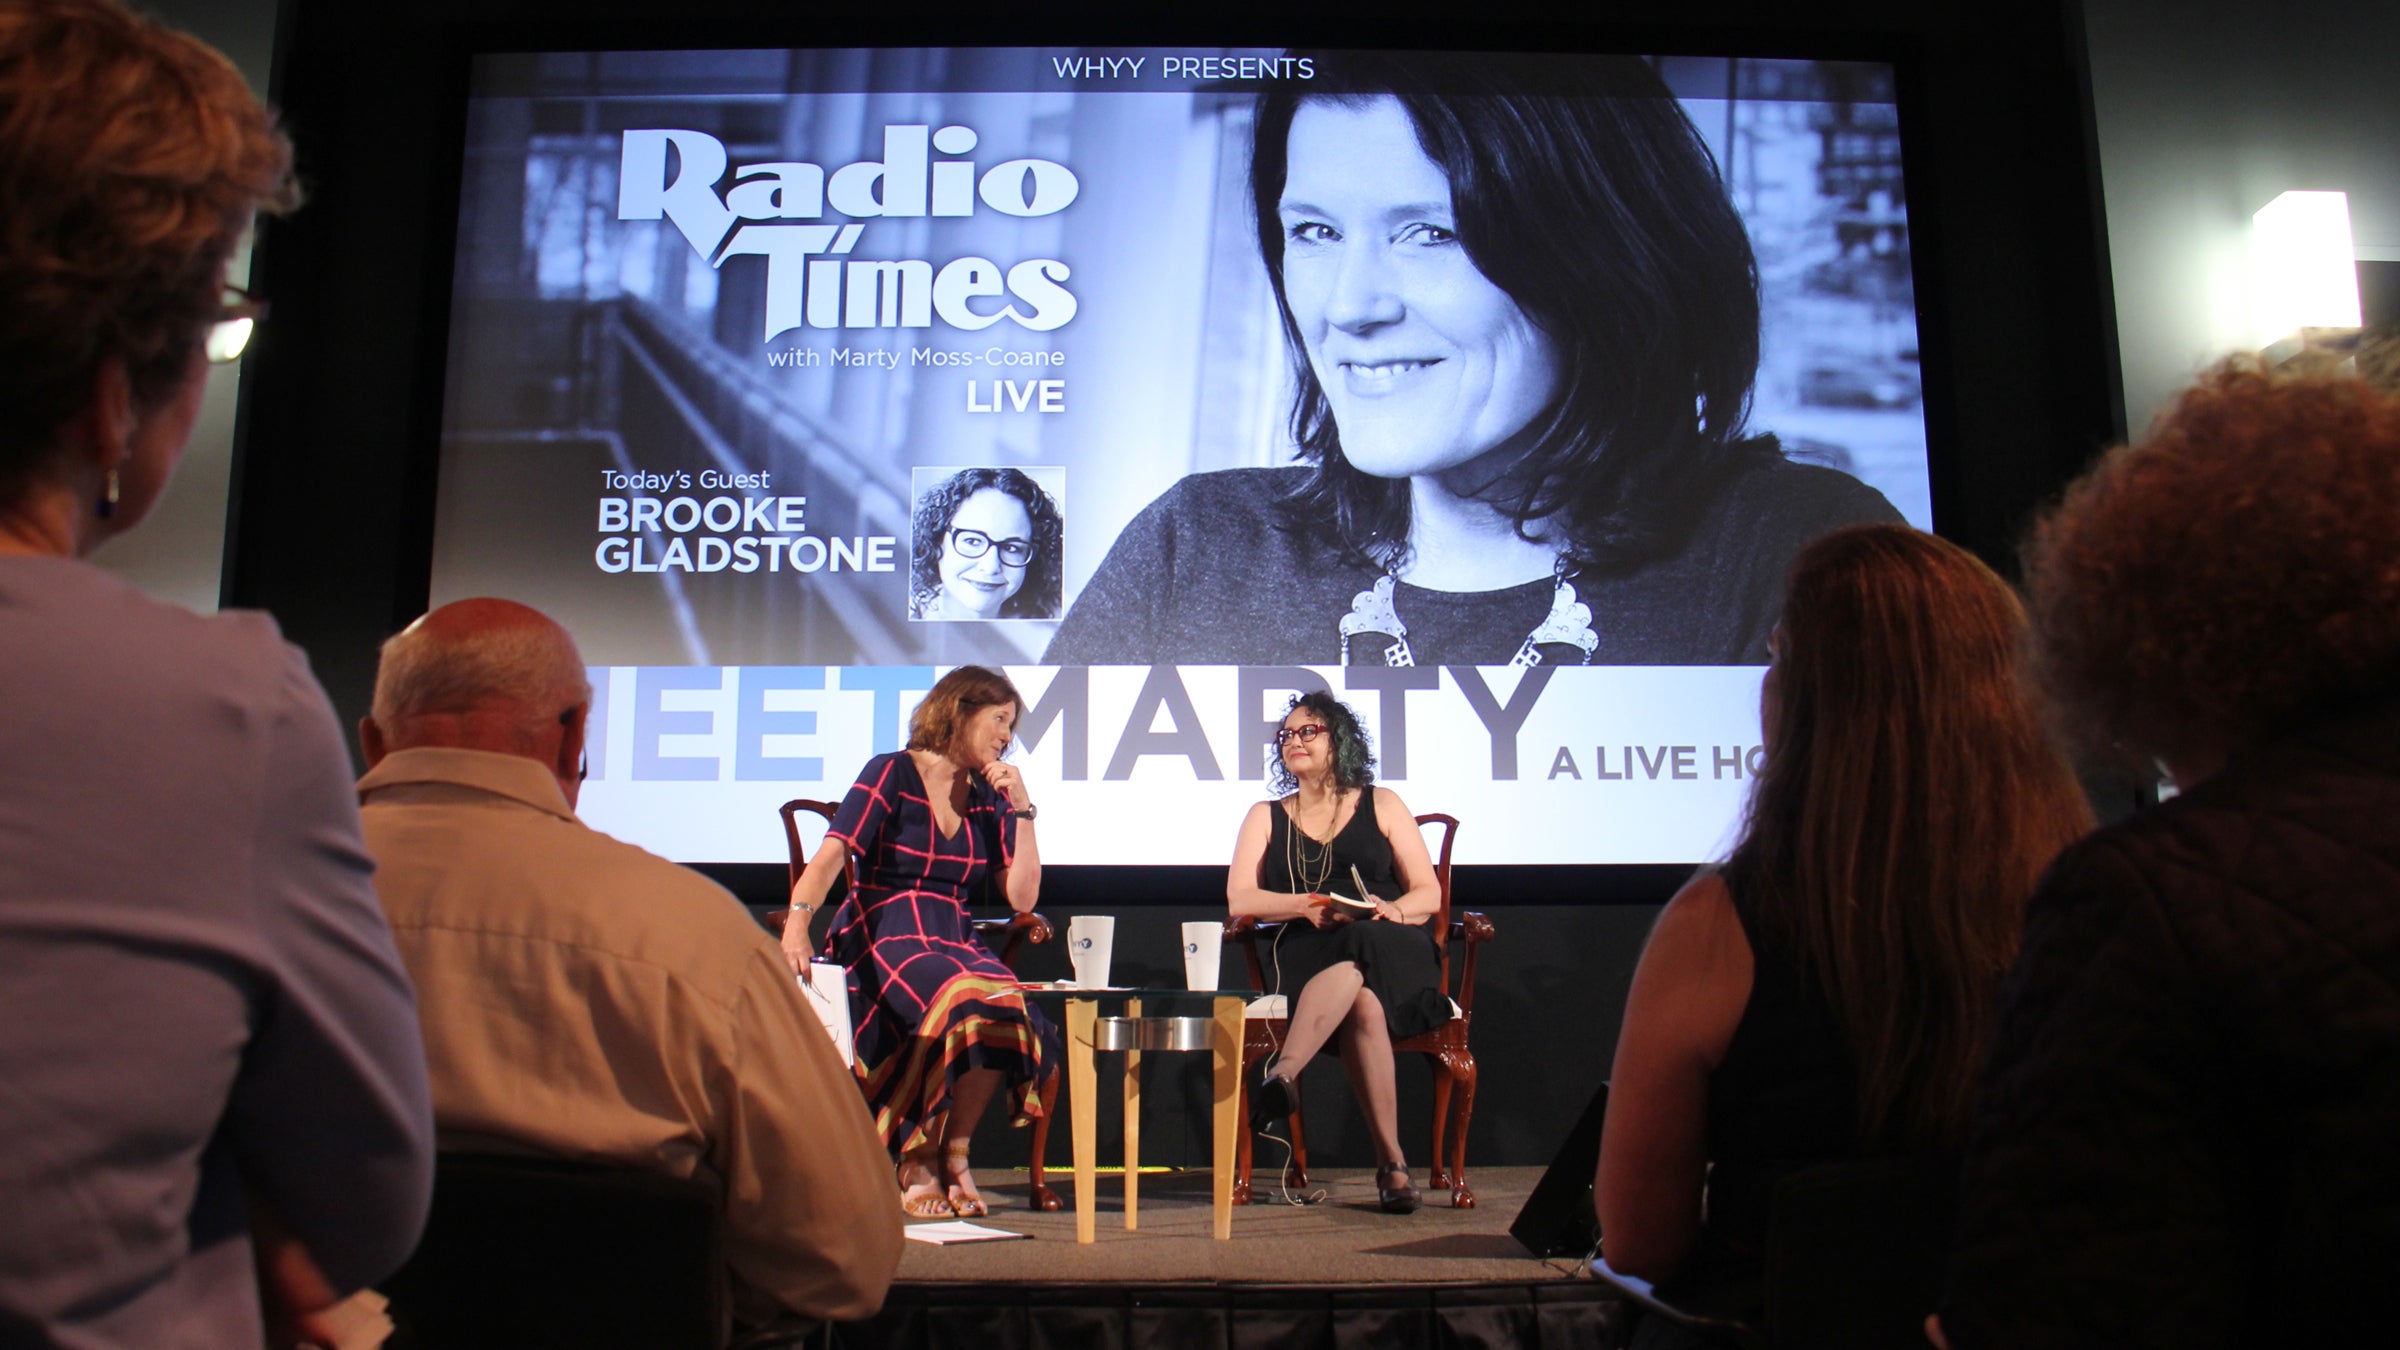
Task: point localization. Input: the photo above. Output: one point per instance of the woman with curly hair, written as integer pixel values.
(1366, 971)
(1826, 993)
(2184, 1132)
(984, 544)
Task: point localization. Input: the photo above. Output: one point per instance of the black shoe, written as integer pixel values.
(1272, 1099)
(1401, 1199)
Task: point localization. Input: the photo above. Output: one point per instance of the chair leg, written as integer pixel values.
(1437, 1157)
(1462, 1110)
(1296, 1175)
(1044, 1198)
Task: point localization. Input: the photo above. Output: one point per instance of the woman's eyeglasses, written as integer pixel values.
(1304, 735)
(975, 543)
(237, 319)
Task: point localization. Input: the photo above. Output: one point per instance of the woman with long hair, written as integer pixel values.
(942, 1025)
(1362, 967)
(1827, 992)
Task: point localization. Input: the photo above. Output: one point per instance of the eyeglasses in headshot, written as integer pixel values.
(975, 543)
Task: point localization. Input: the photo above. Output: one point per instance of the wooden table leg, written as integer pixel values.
(1083, 1016)
(1227, 1045)
(1133, 1117)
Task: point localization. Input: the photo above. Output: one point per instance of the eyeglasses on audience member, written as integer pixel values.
(237, 318)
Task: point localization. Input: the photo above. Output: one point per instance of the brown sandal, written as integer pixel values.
(924, 1199)
(964, 1203)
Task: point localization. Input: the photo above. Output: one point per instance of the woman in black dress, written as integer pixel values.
(1828, 992)
(1368, 973)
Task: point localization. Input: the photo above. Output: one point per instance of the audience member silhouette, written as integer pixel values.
(210, 1077)
(2184, 1132)
(1826, 992)
(584, 998)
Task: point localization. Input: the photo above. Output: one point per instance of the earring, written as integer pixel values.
(108, 497)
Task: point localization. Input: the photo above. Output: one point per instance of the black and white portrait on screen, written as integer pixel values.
(1523, 314)
(984, 543)
(1636, 330)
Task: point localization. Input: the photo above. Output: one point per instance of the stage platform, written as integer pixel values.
(1339, 1272)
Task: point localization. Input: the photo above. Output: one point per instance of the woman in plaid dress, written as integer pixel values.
(942, 1027)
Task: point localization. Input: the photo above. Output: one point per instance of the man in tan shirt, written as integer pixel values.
(584, 998)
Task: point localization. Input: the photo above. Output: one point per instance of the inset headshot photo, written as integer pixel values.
(984, 543)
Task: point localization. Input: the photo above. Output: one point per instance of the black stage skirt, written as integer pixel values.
(1399, 960)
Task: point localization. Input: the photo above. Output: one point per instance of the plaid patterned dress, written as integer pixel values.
(929, 1000)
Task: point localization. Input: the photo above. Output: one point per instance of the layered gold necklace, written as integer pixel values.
(1296, 860)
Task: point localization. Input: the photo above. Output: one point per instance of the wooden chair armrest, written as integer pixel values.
(1249, 928)
(1009, 935)
(1474, 929)
(1244, 931)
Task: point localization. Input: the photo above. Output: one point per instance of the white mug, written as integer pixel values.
(1203, 943)
(1090, 940)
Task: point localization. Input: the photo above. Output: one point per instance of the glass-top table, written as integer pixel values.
(1137, 1020)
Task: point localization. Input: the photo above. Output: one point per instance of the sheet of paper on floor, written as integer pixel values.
(943, 1234)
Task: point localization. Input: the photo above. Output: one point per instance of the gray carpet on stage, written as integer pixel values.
(1337, 1274)
(1343, 1239)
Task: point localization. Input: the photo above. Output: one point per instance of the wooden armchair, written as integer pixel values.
(1007, 936)
(1446, 1046)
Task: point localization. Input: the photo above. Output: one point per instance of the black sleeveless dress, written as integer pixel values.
(1783, 1098)
(1399, 960)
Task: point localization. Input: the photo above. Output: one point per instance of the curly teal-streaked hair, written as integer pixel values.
(1353, 752)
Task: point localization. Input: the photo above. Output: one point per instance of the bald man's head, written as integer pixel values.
(480, 674)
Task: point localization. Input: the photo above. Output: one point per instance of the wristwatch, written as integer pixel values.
(1023, 812)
